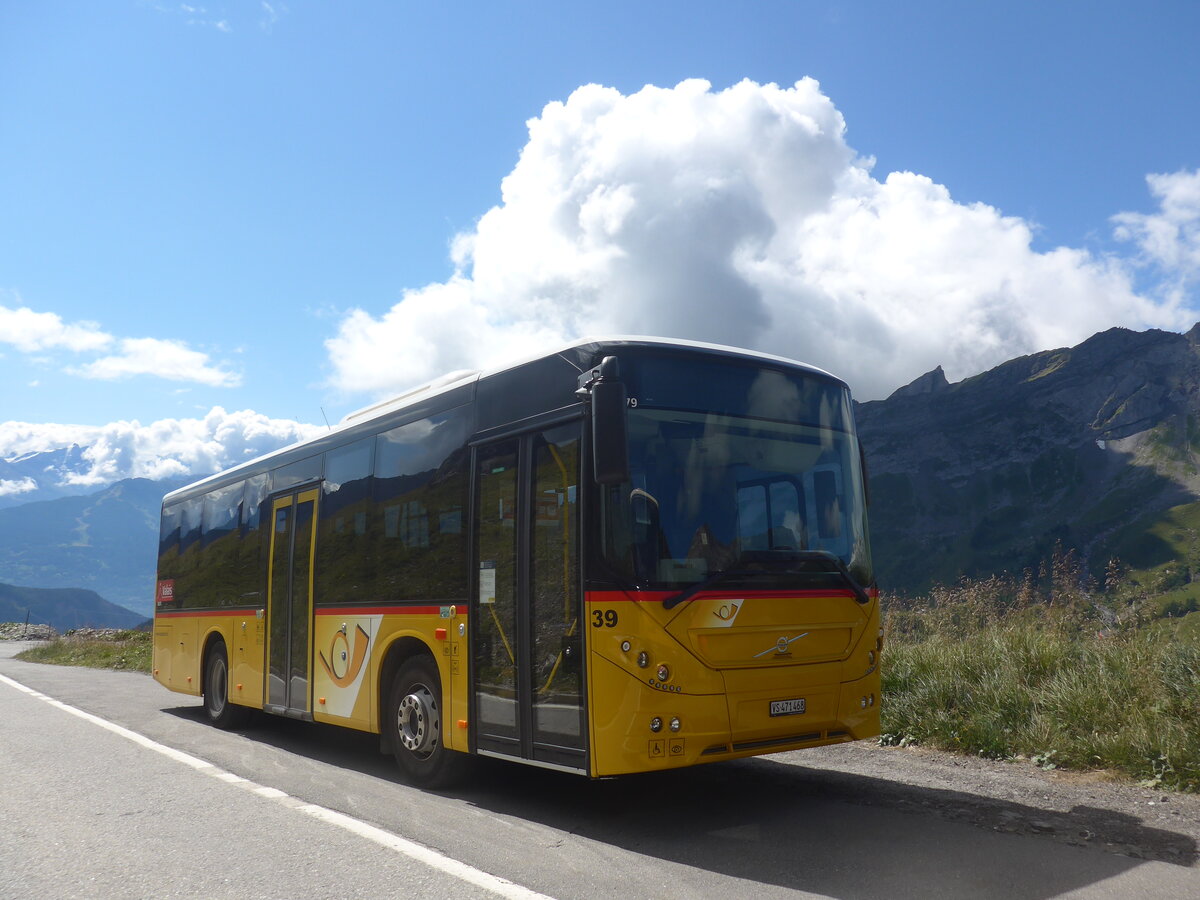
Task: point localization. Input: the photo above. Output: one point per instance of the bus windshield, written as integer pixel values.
(776, 481)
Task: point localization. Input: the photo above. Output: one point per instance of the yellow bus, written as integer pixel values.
(624, 556)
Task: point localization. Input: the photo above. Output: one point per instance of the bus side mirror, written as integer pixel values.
(610, 453)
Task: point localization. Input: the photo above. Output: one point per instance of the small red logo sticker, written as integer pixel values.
(166, 592)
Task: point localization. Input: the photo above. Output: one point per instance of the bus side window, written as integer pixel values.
(191, 577)
(168, 550)
(419, 494)
(252, 547)
(219, 538)
(343, 571)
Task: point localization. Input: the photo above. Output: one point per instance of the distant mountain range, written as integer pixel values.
(104, 542)
(63, 609)
(1095, 447)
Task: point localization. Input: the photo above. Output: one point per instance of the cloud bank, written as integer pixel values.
(30, 332)
(168, 448)
(743, 217)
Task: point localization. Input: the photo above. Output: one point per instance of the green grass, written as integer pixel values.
(1068, 679)
(127, 650)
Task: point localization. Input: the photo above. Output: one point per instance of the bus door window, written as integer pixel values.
(557, 645)
(496, 650)
(281, 553)
(289, 605)
(528, 650)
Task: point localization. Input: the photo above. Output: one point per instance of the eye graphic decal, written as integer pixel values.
(345, 663)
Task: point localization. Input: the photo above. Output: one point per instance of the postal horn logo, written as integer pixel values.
(344, 663)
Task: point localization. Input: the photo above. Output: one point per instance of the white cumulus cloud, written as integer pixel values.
(171, 360)
(164, 449)
(30, 332)
(743, 217)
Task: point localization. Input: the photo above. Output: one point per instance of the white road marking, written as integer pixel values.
(430, 857)
(460, 870)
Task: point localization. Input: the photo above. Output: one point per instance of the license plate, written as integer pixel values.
(787, 707)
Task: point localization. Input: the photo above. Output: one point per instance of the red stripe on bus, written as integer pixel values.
(460, 609)
(658, 596)
(336, 611)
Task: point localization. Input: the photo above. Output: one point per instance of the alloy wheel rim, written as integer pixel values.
(417, 721)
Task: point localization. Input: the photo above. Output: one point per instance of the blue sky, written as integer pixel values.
(253, 205)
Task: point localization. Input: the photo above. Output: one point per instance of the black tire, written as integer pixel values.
(217, 706)
(416, 727)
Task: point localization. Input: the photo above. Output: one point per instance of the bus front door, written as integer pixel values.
(289, 604)
(527, 644)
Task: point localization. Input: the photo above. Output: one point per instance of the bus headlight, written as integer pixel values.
(664, 673)
(656, 724)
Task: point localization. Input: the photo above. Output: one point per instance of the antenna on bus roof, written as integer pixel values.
(326, 418)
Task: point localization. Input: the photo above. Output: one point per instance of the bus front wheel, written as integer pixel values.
(217, 707)
(417, 728)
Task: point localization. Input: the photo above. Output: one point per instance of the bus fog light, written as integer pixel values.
(656, 724)
(872, 700)
(863, 703)
(871, 658)
(643, 659)
(664, 674)
(625, 645)
(675, 724)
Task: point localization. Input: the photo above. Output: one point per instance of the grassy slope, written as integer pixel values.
(127, 650)
(1066, 678)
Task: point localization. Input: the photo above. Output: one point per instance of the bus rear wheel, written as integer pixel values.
(416, 727)
(217, 707)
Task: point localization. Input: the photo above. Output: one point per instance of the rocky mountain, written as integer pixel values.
(1095, 446)
(104, 542)
(63, 609)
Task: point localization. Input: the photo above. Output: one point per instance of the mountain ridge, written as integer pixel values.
(63, 608)
(1072, 445)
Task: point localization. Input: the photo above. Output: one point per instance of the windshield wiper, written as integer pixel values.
(833, 566)
(692, 589)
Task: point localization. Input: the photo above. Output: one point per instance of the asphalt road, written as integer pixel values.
(89, 812)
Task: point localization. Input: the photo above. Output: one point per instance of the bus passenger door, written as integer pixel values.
(527, 647)
(289, 604)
